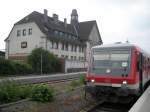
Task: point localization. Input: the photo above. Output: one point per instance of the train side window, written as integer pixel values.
(148, 63)
(93, 63)
(139, 61)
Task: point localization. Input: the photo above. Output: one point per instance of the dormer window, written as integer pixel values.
(60, 33)
(75, 48)
(24, 32)
(63, 34)
(79, 49)
(56, 32)
(18, 33)
(30, 31)
(63, 46)
(72, 47)
(66, 47)
(82, 50)
(52, 44)
(56, 45)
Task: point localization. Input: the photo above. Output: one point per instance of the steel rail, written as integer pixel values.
(50, 80)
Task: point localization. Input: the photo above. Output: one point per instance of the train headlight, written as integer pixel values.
(124, 82)
(92, 80)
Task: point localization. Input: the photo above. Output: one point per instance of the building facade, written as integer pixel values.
(69, 41)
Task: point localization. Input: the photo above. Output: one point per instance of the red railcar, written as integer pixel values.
(118, 69)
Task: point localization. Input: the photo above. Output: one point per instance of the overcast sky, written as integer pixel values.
(118, 20)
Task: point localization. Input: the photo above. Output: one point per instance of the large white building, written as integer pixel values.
(70, 41)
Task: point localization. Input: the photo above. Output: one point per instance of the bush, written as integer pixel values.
(22, 68)
(8, 67)
(42, 93)
(82, 79)
(25, 91)
(10, 91)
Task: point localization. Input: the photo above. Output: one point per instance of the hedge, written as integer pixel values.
(8, 67)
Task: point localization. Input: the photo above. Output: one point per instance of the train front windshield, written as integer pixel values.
(111, 61)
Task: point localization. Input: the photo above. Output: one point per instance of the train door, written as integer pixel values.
(140, 70)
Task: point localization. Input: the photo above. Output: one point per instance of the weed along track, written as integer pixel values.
(68, 96)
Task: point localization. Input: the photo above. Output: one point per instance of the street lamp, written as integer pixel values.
(41, 67)
(42, 47)
(41, 64)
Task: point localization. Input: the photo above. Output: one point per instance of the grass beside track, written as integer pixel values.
(10, 91)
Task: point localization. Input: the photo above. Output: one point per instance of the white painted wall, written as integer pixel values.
(88, 50)
(33, 40)
(94, 36)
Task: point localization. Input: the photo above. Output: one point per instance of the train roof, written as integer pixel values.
(114, 45)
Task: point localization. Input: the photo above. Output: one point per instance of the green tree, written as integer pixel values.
(50, 63)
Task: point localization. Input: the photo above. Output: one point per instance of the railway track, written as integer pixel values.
(60, 81)
(111, 107)
(44, 79)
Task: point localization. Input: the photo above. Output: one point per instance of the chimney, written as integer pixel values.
(65, 22)
(55, 17)
(45, 16)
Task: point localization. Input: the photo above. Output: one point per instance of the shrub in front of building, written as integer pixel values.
(8, 67)
(42, 59)
(10, 91)
(22, 68)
